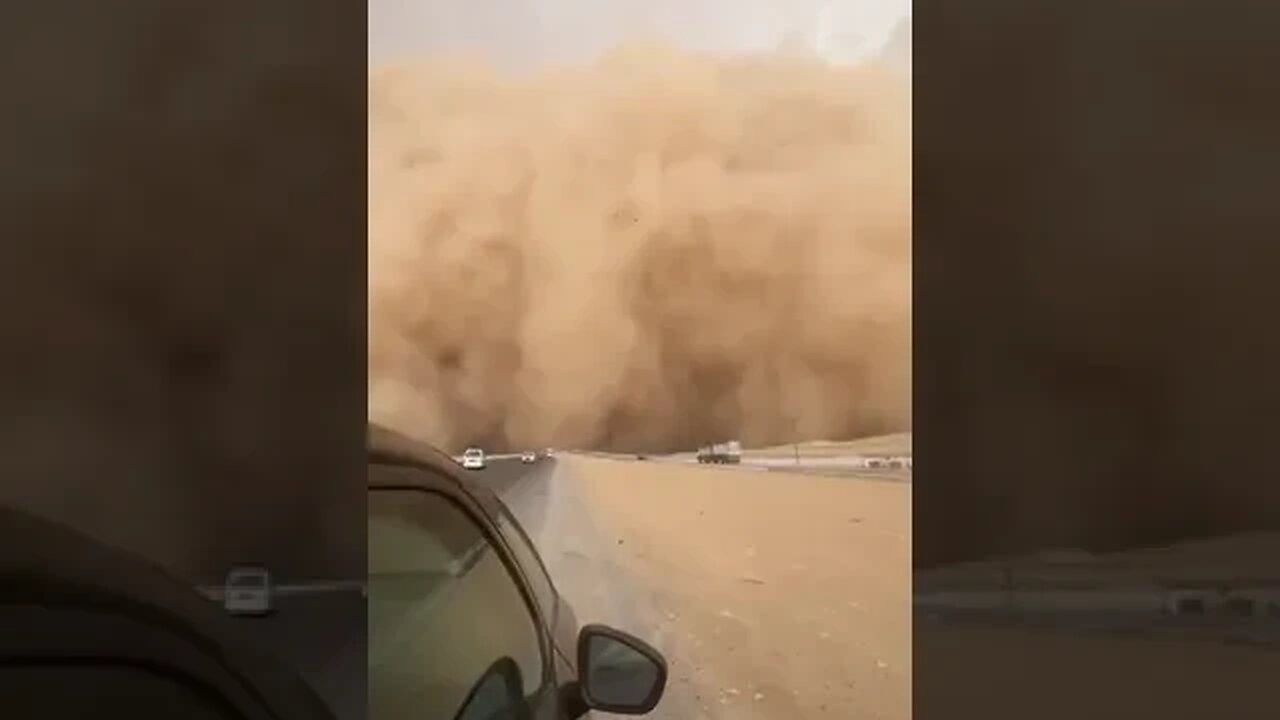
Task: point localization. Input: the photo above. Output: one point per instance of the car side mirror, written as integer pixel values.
(619, 673)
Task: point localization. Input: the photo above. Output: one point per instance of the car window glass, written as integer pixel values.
(70, 691)
(443, 608)
(529, 560)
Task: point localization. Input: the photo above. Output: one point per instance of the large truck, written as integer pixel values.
(725, 453)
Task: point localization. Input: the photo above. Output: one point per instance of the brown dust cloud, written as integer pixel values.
(651, 251)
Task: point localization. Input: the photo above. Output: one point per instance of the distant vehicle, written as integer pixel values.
(473, 459)
(725, 453)
(445, 556)
(247, 591)
(529, 456)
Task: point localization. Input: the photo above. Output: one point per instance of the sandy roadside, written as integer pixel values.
(781, 596)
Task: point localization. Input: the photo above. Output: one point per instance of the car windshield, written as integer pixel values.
(473, 452)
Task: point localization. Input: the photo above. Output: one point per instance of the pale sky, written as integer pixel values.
(525, 33)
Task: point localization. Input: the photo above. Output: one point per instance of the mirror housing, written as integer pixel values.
(618, 672)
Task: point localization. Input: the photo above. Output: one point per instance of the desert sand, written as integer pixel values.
(774, 595)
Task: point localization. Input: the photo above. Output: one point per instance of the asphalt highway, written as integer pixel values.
(522, 487)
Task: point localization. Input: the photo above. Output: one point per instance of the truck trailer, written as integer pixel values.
(724, 453)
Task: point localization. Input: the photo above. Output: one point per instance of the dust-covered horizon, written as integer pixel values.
(656, 250)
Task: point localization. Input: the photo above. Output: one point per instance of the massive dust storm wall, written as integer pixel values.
(650, 251)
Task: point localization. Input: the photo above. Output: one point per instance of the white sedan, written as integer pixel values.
(528, 457)
(473, 459)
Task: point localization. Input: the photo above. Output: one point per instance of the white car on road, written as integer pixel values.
(529, 456)
(247, 591)
(473, 459)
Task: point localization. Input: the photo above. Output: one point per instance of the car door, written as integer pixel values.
(454, 631)
(559, 615)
